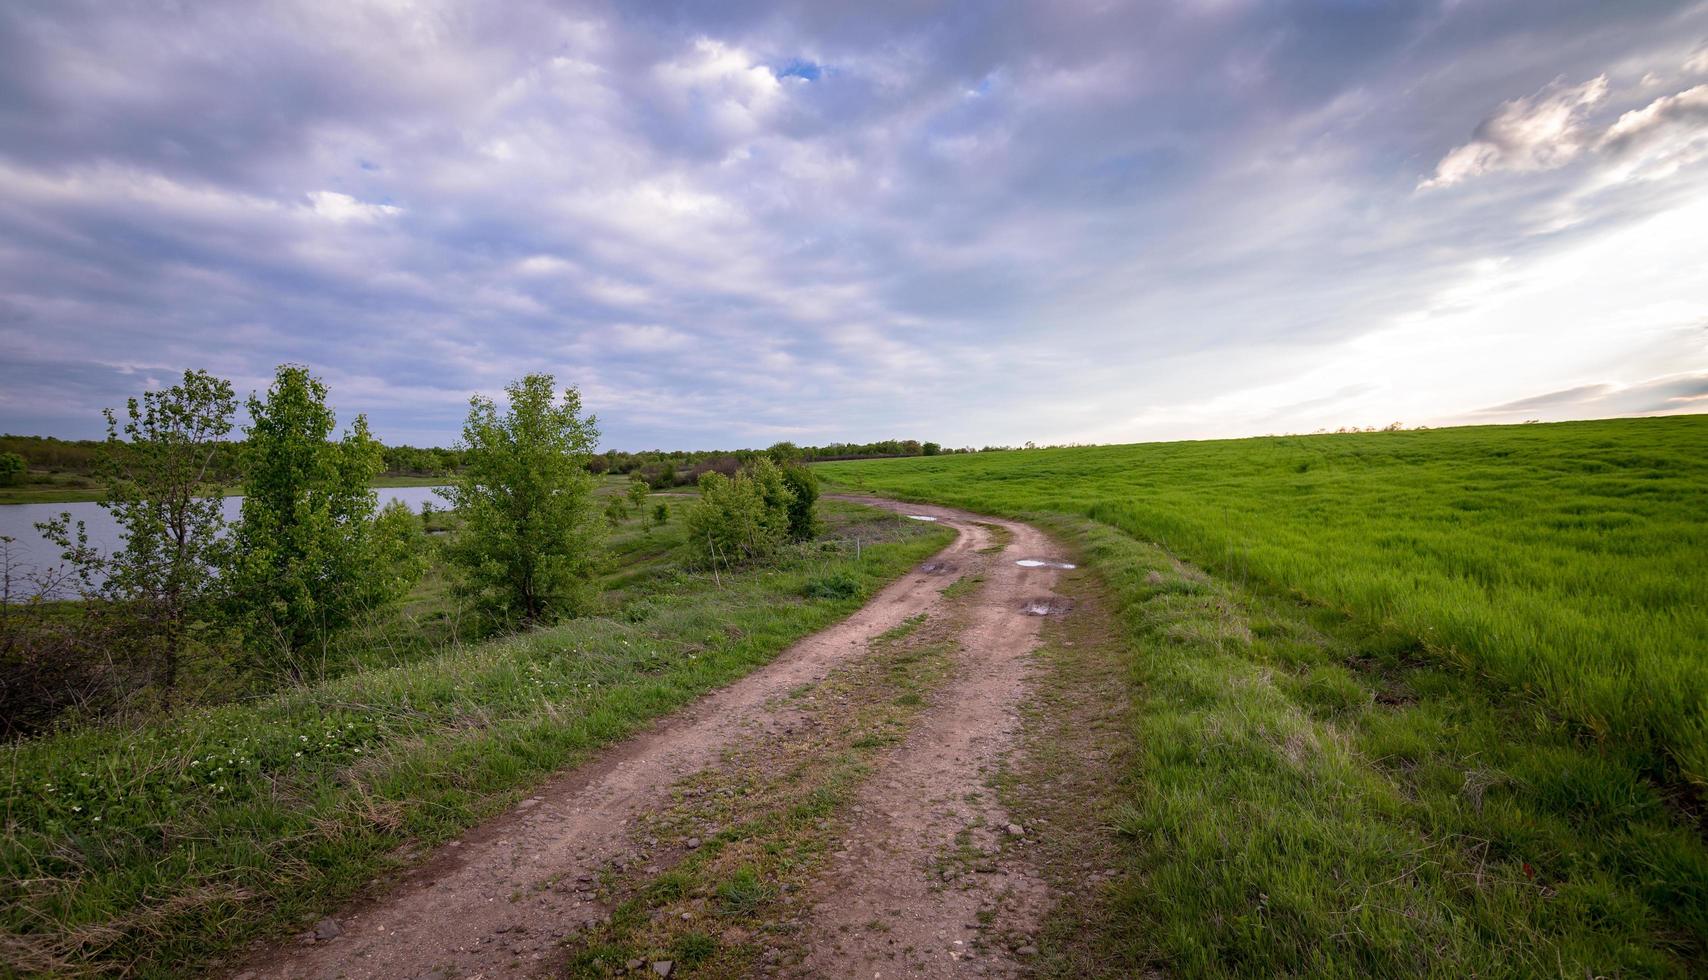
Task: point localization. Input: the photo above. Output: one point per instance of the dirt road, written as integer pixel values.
(493, 904)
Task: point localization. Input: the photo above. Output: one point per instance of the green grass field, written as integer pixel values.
(1439, 707)
(151, 848)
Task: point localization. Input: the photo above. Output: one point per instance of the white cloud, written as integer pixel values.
(1657, 140)
(341, 208)
(1698, 63)
(1541, 132)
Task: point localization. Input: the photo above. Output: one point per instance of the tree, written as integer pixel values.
(531, 538)
(163, 491)
(930, 448)
(311, 552)
(12, 469)
(784, 453)
(638, 490)
(617, 511)
(660, 514)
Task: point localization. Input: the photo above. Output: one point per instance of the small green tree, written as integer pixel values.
(531, 539)
(803, 502)
(638, 490)
(310, 551)
(660, 514)
(163, 492)
(12, 469)
(616, 511)
(784, 453)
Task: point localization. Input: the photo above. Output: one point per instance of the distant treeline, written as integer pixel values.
(660, 468)
(81, 457)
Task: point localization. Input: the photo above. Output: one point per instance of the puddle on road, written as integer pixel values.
(1040, 563)
(936, 568)
(920, 517)
(1053, 606)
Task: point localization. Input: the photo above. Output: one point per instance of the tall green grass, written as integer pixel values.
(1564, 563)
(1308, 797)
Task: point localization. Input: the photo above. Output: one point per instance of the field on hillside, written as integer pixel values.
(1564, 562)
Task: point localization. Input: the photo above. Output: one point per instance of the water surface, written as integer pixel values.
(31, 552)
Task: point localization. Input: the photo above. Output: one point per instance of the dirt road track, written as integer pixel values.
(477, 909)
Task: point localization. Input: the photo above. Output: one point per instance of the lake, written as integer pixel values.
(30, 551)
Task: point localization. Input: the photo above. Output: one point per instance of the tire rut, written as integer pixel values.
(932, 882)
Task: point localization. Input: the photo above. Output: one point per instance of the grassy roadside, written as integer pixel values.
(153, 851)
(1302, 794)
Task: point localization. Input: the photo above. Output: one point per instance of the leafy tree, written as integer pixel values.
(930, 448)
(530, 540)
(163, 491)
(784, 453)
(638, 490)
(803, 502)
(309, 553)
(617, 511)
(660, 514)
(12, 469)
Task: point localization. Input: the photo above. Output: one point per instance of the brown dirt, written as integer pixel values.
(929, 862)
(933, 882)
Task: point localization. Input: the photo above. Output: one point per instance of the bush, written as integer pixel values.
(741, 518)
(12, 469)
(836, 585)
(803, 507)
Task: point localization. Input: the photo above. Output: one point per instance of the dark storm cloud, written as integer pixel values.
(737, 222)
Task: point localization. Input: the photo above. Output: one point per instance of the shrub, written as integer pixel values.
(836, 585)
(803, 505)
(741, 518)
(12, 469)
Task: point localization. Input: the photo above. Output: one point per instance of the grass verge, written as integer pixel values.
(1305, 794)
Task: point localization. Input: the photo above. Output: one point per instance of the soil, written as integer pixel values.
(933, 880)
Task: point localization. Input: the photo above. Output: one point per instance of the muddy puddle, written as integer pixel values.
(1041, 563)
(1052, 606)
(921, 517)
(937, 568)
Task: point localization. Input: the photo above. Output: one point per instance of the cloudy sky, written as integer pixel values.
(732, 223)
